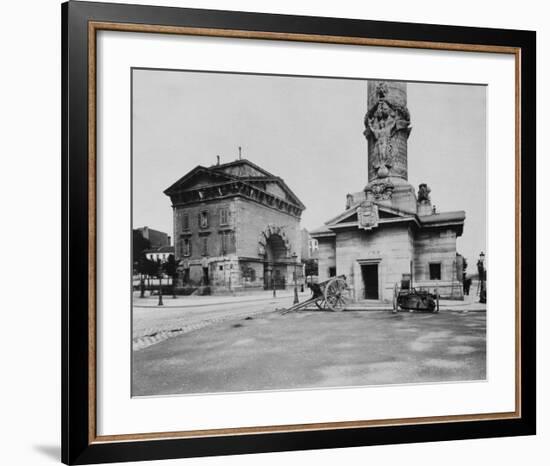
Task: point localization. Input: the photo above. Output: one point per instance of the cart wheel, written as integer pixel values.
(335, 294)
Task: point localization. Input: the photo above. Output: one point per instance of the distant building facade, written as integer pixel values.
(310, 246)
(387, 231)
(159, 254)
(156, 238)
(235, 226)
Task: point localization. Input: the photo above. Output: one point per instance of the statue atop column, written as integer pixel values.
(423, 193)
(387, 129)
(423, 200)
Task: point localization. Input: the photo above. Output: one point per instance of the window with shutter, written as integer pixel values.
(224, 216)
(203, 219)
(222, 243)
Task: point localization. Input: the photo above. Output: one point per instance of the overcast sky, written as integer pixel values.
(309, 132)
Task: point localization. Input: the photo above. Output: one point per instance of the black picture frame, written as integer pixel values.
(79, 445)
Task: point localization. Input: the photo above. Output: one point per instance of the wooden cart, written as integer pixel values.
(412, 299)
(330, 295)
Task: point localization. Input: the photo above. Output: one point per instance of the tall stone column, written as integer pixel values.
(387, 129)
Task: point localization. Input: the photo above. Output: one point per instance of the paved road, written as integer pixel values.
(153, 324)
(315, 349)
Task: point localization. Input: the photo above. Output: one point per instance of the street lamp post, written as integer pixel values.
(179, 274)
(138, 269)
(296, 301)
(141, 286)
(160, 303)
(174, 279)
(481, 272)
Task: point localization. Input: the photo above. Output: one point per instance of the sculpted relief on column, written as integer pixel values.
(386, 122)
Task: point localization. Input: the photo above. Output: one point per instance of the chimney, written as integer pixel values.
(218, 159)
(240, 152)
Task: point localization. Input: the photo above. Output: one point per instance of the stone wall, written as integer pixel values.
(392, 247)
(437, 245)
(252, 274)
(213, 232)
(327, 256)
(228, 275)
(252, 219)
(389, 246)
(241, 266)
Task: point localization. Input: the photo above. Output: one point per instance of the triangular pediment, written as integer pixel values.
(275, 186)
(344, 216)
(386, 213)
(250, 173)
(197, 178)
(200, 180)
(208, 177)
(351, 215)
(351, 218)
(243, 169)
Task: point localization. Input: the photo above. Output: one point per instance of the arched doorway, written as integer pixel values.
(275, 262)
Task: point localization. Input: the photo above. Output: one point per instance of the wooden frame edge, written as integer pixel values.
(288, 428)
(92, 235)
(93, 27)
(518, 308)
(296, 37)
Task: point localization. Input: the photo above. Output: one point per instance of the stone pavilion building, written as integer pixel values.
(236, 226)
(388, 231)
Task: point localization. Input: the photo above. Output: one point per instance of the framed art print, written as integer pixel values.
(285, 232)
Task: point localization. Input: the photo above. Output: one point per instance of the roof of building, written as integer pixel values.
(151, 230)
(161, 250)
(443, 217)
(242, 165)
(349, 219)
(322, 230)
(242, 170)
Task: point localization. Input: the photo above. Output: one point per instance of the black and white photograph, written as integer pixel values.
(305, 232)
(251, 233)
